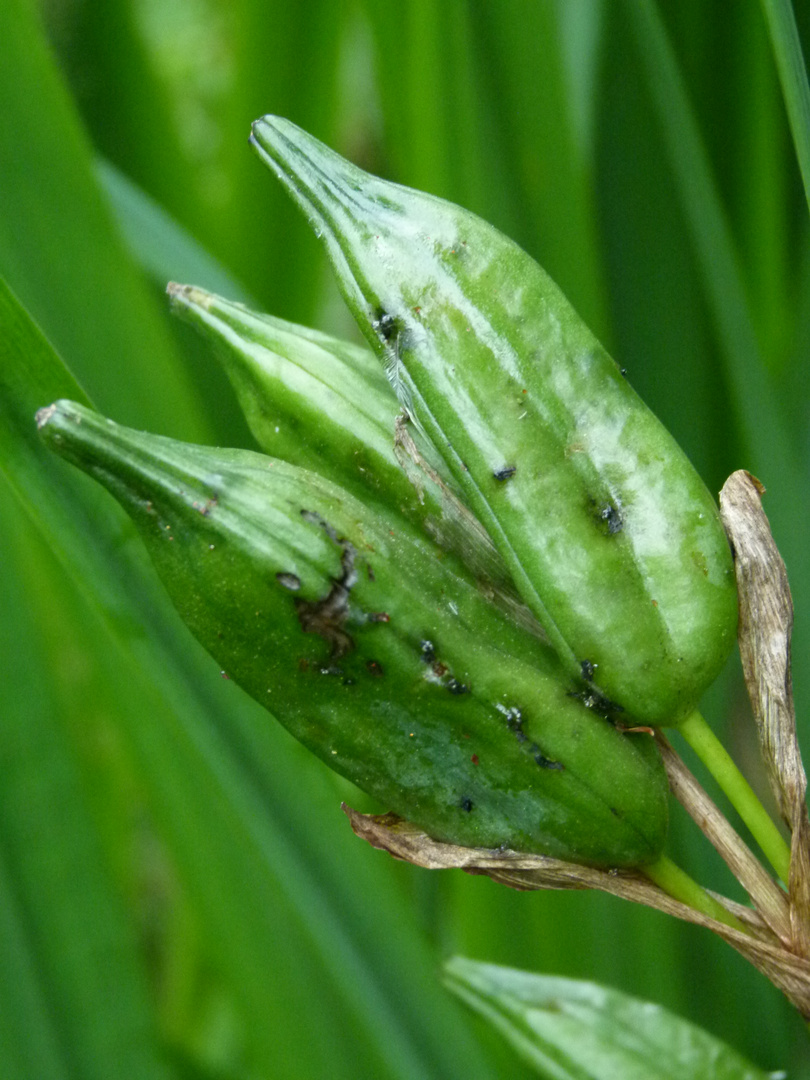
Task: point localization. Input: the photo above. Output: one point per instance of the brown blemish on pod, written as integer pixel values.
(326, 617)
(205, 508)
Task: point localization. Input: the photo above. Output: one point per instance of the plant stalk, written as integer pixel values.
(668, 876)
(717, 760)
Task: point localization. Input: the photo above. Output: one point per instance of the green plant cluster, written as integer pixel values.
(179, 893)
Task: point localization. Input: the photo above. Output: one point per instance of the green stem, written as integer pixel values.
(787, 51)
(668, 876)
(738, 791)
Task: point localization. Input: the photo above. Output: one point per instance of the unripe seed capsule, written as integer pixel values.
(282, 576)
(325, 404)
(609, 533)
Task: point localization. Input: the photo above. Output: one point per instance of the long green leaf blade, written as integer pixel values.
(165, 250)
(60, 250)
(793, 75)
(768, 440)
(210, 759)
(572, 1030)
(73, 986)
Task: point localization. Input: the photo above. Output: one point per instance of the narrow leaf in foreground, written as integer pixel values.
(156, 240)
(573, 1030)
(225, 791)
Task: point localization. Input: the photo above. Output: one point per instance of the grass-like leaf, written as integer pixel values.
(165, 250)
(535, 116)
(572, 1030)
(793, 75)
(73, 990)
(60, 248)
(213, 769)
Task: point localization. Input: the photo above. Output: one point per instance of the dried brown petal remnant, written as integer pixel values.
(766, 621)
(759, 945)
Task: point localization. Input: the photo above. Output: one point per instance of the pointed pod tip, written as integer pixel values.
(60, 417)
(44, 415)
(270, 120)
(60, 410)
(263, 126)
(63, 409)
(279, 141)
(261, 140)
(188, 296)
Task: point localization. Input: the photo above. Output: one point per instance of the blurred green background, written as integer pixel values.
(180, 895)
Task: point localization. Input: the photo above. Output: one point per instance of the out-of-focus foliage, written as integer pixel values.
(179, 892)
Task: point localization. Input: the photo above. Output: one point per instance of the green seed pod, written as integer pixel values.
(308, 398)
(326, 405)
(609, 534)
(376, 651)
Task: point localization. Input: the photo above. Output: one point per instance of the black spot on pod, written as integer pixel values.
(455, 687)
(612, 518)
(547, 763)
(427, 651)
(588, 669)
(514, 718)
(602, 706)
(505, 473)
(385, 325)
(466, 805)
